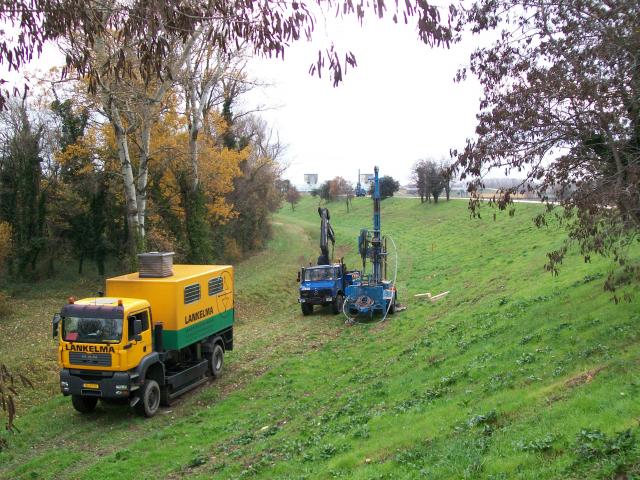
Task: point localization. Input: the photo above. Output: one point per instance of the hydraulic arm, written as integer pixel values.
(326, 235)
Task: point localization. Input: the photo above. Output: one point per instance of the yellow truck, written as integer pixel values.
(154, 335)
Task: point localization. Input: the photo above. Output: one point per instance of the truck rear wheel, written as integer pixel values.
(216, 361)
(84, 404)
(336, 305)
(307, 309)
(149, 398)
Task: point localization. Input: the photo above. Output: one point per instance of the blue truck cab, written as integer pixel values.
(324, 285)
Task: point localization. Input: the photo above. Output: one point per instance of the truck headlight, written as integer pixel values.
(64, 384)
(122, 387)
(328, 299)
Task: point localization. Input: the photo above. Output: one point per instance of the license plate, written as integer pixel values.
(91, 385)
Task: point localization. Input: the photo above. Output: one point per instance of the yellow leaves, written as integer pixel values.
(218, 167)
(216, 124)
(220, 211)
(73, 153)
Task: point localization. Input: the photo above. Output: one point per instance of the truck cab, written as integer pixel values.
(324, 285)
(152, 338)
(102, 344)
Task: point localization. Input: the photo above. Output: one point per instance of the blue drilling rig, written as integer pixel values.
(372, 293)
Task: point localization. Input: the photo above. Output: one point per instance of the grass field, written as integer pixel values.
(515, 374)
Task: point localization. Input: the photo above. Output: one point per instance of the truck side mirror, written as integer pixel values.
(54, 323)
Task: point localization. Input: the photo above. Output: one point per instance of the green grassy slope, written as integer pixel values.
(515, 374)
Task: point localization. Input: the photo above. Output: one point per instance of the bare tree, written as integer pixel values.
(293, 197)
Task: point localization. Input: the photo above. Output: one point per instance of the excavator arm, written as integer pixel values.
(326, 235)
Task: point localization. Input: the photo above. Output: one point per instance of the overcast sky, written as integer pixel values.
(398, 105)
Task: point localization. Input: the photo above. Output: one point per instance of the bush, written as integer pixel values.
(593, 444)
(232, 251)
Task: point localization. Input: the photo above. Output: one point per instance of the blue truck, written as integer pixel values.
(325, 283)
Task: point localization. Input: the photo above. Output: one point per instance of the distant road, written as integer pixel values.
(486, 199)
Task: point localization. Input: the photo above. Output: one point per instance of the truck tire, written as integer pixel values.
(392, 307)
(216, 361)
(307, 309)
(84, 404)
(149, 398)
(336, 305)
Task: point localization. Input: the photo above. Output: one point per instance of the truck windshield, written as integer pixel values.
(315, 274)
(92, 330)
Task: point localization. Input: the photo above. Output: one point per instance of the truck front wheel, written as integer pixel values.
(216, 361)
(149, 398)
(84, 404)
(307, 309)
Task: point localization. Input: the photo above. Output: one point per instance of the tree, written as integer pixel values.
(561, 103)
(445, 172)
(255, 194)
(348, 197)
(336, 188)
(293, 196)
(419, 176)
(430, 179)
(340, 188)
(78, 199)
(388, 186)
(436, 180)
(22, 200)
(324, 191)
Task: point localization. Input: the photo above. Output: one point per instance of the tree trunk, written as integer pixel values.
(194, 129)
(131, 201)
(143, 176)
(108, 98)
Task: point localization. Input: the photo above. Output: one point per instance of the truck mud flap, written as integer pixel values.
(188, 378)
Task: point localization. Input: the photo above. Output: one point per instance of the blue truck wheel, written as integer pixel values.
(336, 305)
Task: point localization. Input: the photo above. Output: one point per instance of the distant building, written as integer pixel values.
(311, 179)
(366, 179)
(310, 182)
